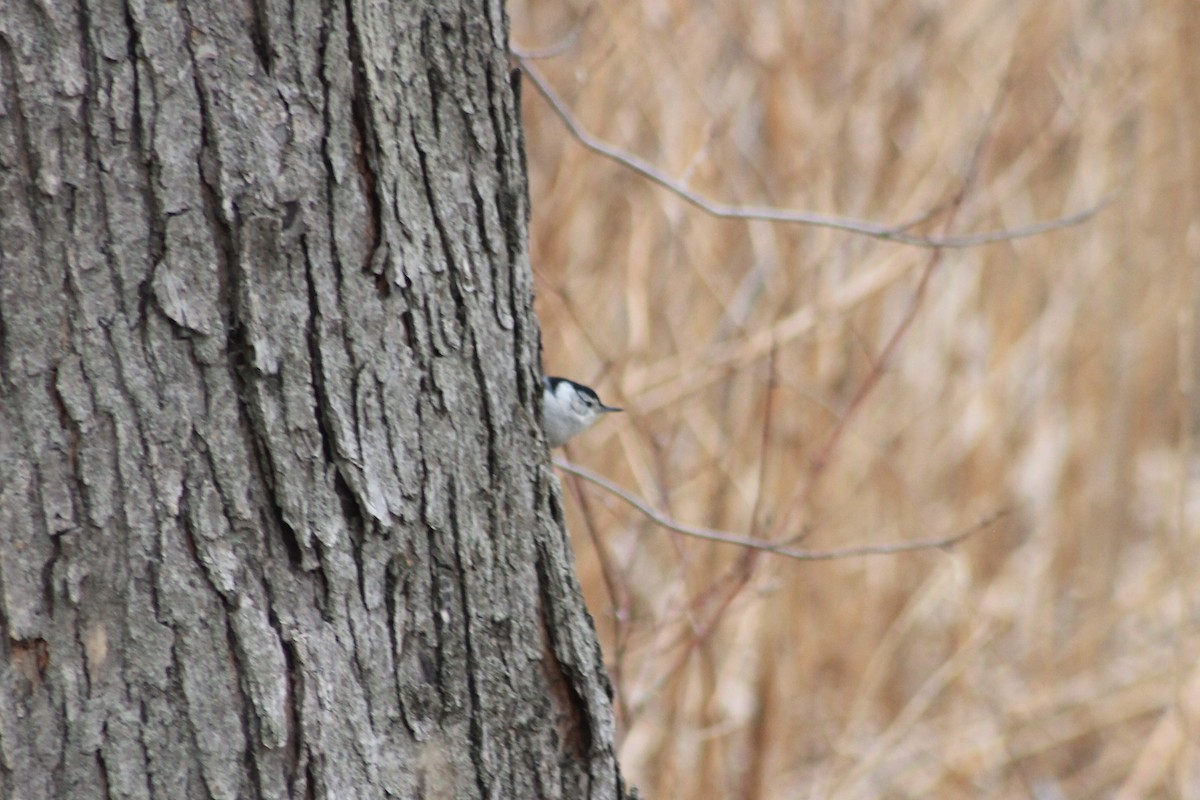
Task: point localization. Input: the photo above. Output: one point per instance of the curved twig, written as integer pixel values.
(725, 537)
(772, 214)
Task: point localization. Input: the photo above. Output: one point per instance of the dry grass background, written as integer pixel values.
(1052, 655)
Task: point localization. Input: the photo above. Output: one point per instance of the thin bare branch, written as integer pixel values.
(881, 362)
(771, 214)
(725, 537)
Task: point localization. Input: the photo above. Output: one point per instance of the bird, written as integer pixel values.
(569, 408)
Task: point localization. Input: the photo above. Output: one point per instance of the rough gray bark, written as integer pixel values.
(275, 516)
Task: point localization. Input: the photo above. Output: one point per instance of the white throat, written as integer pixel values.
(565, 415)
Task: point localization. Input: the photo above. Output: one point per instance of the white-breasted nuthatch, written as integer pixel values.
(569, 408)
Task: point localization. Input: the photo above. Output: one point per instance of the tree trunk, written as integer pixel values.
(276, 517)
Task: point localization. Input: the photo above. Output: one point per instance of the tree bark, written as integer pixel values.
(276, 516)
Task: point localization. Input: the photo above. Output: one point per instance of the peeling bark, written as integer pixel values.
(276, 518)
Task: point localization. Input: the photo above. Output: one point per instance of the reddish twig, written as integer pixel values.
(880, 363)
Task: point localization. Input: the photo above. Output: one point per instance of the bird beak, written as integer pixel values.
(610, 409)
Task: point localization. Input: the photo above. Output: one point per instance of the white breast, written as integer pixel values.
(560, 423)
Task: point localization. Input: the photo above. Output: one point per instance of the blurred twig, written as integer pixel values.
(725, 537)
(771, 214)
(881, 362)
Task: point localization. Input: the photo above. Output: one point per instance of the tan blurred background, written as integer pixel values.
(1053, 654)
